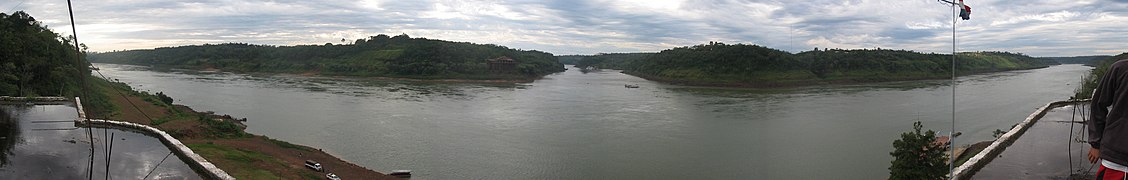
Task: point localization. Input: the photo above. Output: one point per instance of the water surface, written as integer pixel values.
(573, 125)
(41, 142)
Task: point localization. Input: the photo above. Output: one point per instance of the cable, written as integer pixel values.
(17, 6)
(158, 165)
(85, 88)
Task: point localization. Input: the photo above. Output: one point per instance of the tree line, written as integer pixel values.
(380, 55)
(744, 63)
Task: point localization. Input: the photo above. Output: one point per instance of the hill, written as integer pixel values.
(1086, 60)
(718, 64)
(35, 61)
(1090, 81)
(381, 55)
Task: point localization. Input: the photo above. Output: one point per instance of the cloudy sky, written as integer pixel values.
(1034, 27)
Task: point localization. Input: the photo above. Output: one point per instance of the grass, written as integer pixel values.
(284, 144)
(246, 160)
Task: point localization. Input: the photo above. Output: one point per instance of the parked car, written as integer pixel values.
(314, 165)
(332, 176)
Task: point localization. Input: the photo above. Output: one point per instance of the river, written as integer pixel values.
(575, 125)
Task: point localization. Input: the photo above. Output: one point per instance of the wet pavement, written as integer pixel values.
(1048, 150)
(42, 142)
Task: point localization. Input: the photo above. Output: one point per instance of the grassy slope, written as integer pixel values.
(243, 155)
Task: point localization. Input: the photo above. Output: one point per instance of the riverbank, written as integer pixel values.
(807, 82)
(220, 140)
(489, 79)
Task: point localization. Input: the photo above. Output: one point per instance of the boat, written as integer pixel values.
(401, 173)
(630, 86)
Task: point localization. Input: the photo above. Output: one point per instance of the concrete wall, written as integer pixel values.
(981, 159)
(207, 169)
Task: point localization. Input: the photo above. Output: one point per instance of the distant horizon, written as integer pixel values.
(1037, 28)
(554, 54)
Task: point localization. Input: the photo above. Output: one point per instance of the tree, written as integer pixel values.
(915, 156)
(164, 98)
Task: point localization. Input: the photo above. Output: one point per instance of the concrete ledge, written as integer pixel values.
(981, 159)
(207, 169)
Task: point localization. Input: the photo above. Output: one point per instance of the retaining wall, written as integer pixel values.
(981, 159)
(206, 169)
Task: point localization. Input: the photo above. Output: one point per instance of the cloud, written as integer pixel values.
(1041, 28)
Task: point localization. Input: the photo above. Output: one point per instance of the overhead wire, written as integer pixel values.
(107, 144)
(85, 88)
(17, 6)
(158, 165)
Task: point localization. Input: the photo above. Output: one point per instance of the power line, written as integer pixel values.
(158, 165)
(85, 88)
(18, 5)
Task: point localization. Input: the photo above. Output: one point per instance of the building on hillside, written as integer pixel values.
(502, 65)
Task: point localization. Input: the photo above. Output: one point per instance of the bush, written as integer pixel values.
(164, 98)
(916, 157)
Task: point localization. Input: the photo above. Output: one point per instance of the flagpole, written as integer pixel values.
(951, 134)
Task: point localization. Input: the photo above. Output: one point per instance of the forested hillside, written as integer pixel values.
(34, 61)
(570, 59)
(1086, 60)
(1085, 91)
(610, 60)
(381, 55)
(719, 64)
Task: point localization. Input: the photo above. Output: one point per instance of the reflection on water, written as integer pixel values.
(9, 134)
(41, 142)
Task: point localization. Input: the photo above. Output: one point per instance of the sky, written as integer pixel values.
(565, 27)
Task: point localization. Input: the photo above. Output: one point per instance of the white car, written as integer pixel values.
(332, 176)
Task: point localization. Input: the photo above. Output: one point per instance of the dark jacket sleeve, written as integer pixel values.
(1102, 99)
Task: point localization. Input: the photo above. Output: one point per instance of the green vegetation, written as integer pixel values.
(240, 158)
(399, 56)
(916, 157)
(222, 129)
(570, 59)
(758, 66)
(1086, 60)
(285, 144)
(610, 60)
(34, 61)
(1090, 81)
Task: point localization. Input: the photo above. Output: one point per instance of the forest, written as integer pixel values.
(380, 55)
(35, 61)
(1086, 60)
(720, 64)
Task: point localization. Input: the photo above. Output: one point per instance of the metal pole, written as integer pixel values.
(951, 134)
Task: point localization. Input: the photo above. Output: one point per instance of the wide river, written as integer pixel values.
(573, 125)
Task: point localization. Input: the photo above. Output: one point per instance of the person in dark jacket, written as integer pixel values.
(1108, 131)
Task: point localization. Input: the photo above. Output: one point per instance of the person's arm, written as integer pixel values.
(1102, 98)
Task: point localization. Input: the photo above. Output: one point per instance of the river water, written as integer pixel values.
(575, 125)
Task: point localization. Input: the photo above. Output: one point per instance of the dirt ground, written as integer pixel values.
(191, 131)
